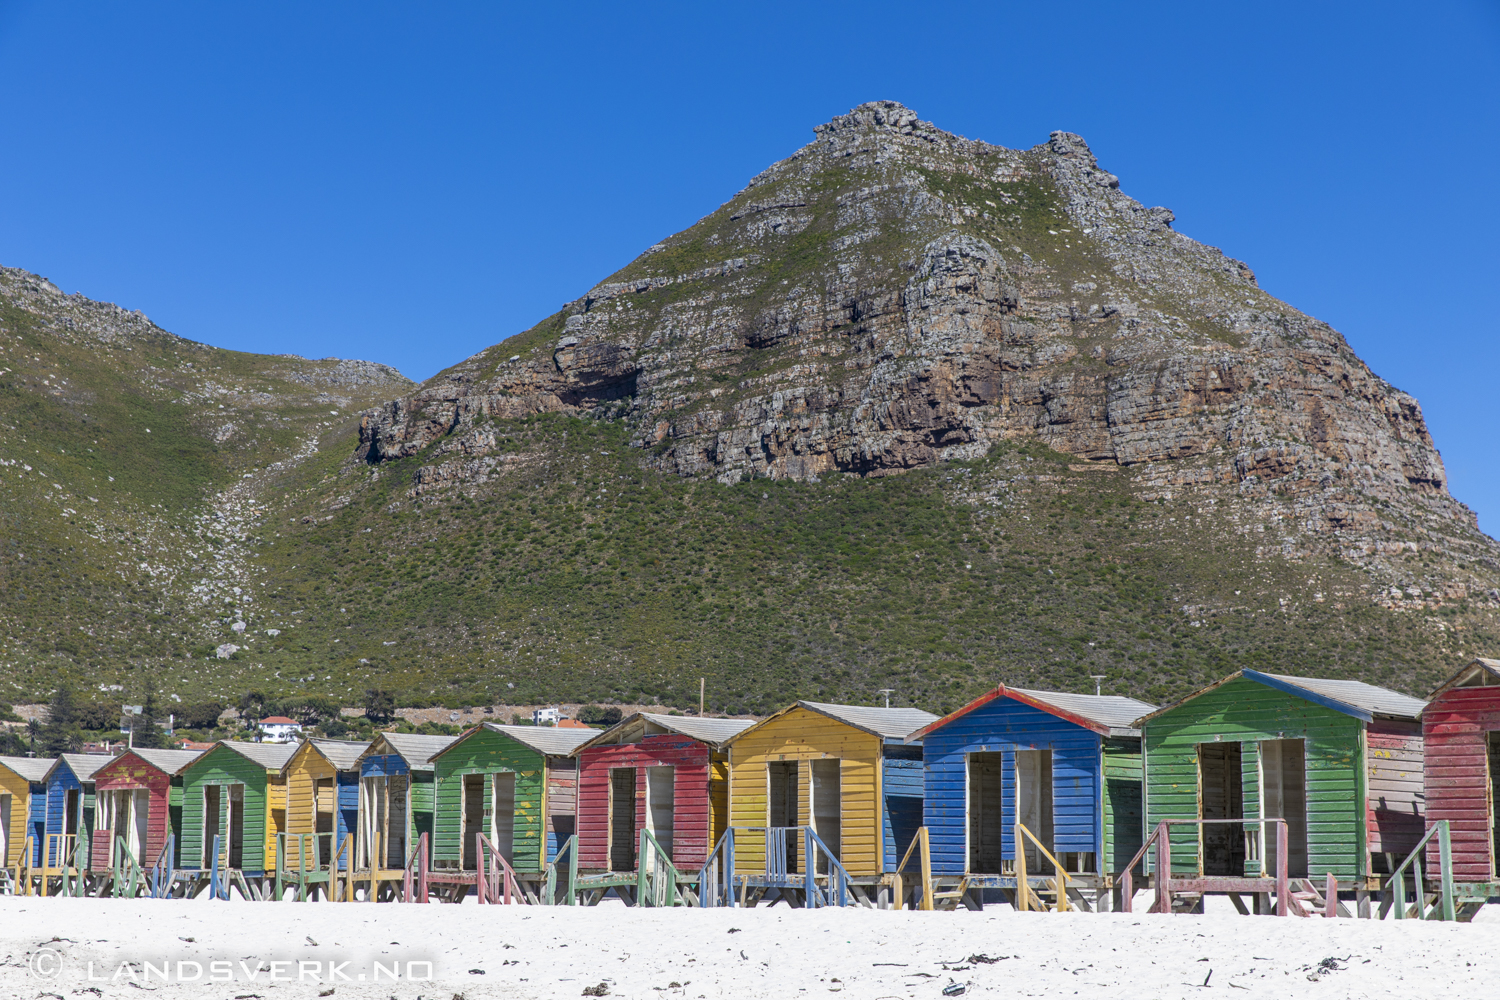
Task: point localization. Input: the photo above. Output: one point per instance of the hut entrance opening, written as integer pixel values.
(827, 807)
(473, 824)
(783, 807)
(125, 812)
(622, 834)
(4, 828)
(1221, 796)
(1492, 740)
(986, 816)
(661, 803)
(503, 814)
(72, 811)
(325, 801)
(385, 821)
(1283, 783)
(224, 817)
(1034, 803)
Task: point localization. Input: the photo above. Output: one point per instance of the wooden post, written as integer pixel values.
(1283, 890)
(1163, 868)
(1445, 859)
(1331, 897)
(640, 871)
(1023, 888)
(926, 848)
(729, 866)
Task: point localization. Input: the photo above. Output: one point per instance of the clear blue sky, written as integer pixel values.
(412, 182)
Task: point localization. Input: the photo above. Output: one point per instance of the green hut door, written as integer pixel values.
(224, 817)
(1221, 797)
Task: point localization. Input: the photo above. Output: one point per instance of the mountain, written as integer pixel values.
(909, 412)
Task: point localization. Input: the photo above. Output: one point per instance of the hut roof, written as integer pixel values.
(543, 739)
(1362, 701)
(170, 761)
(1480, 672)
(1108, 715)
(342, 754)
(271, 756)
(415, 748)
(83, 765)
(30, 768)
(714, 732)
(886, 723)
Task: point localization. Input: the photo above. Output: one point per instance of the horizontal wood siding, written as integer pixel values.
(1457, 779)
(222, 766)
(804, 735)
(1397, 800)
(902, 781)
(562, 802)
(38, 828)
(1003, 726)
(487, 752)
(690, 796)
(61, 781)
(19, 790)
(1124, 816)
(131, 772)
(303, 771)
(1246, 711)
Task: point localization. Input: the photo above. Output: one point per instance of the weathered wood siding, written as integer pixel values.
(61, 781)
(129, 772)
(902, 779)
(1458, 777)
(1004, 726)
(19, 790)
(690, 796)
(803, 735)
(487, 752)
(222, 766)
(1246, 711)
(306, 768)
(1124, 813)
(1397, 800)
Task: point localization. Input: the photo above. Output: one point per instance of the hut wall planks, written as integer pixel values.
(60, 782)
(129, 772)
(692, 793)
(1459, 777)
(1245, 711)
(222, 766)
(19, 789)
(1003, 726)
(803, 736)
(486, 752)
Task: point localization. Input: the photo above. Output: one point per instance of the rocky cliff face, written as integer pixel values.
(893, 296)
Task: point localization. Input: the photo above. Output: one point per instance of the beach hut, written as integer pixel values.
(322, 791)
(23, 811)
(513, 784)
(237, 793)
(844, 771)
(668, 774)
(1461, 733)
(70, 809)
(1340, 762)
(139, 796)
(395, 797)
(1066, 766)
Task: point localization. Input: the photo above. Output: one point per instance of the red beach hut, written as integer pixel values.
(134, 796)
(1461, 725)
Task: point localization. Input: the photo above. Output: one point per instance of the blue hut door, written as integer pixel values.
(1034, 804)
(986, 812)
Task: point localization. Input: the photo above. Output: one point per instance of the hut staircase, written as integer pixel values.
(494, 879)
(1029, 896)
(1184, 894)
(925, 897)
(310, 875)
(381, 881)
(129, 878)
(560, 884)
(161, 879)
(656, 881)
(1431, 903)
(414, 881)
(823, 880)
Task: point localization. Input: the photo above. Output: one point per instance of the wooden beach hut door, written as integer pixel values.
(384, 822)
(325, 801)
(1034, 804)
(622, 835)
(224, 817)
(125, 812)
(503, 814)
(1283, 792)
(828, 808)
(986, 796)
(5, 798)
(661, 806)
(1492, 792)
(783, 803)
(1221, 846)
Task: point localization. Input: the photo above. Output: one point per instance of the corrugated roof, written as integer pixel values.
(418, 749)
(342, 754)
(1114, 711)
(889, 723)
(30, 768)
(714, 731)
(546, 739)
(83, 765)
(1366, 697)
(170, 761)
(271, 756)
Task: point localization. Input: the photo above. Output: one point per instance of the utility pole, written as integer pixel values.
(1098, 682)
(700, 697)
(887, 692)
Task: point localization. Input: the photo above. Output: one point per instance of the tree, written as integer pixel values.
(314, 708)
(144, 731)
(600, 715)
(33, 731)
(60, 734)
(380, 706)
(200, 715)
(252, 707)
(97, 716)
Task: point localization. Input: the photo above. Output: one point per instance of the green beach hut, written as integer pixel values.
(236, 791)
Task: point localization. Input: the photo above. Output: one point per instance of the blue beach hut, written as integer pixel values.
(395, 797)
(23, 810)
(1065, 766)
(70, 806)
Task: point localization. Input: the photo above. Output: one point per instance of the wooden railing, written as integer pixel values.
(1166, 884)
(716, 877)
(496, 881)
(923, 846)
(161, 870)
(1024, 894)
(414, 874)
(656, 877)
(1396, 884)
(549, 885)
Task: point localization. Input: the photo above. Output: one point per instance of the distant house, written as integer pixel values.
(546, 716)
(279, 729)
(572, 724)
